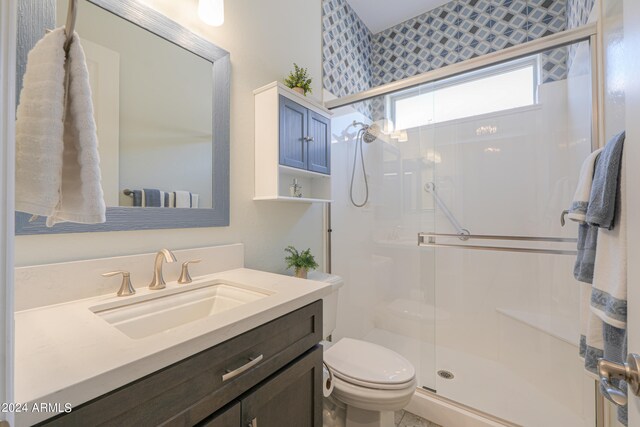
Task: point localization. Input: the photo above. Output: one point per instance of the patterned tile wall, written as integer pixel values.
(577, 14)
(463, 29)
(355, 60)
(346, 51)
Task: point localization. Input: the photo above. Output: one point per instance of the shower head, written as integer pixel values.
(369, 132)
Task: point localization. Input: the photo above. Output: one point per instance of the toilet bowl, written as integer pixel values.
(370, 381)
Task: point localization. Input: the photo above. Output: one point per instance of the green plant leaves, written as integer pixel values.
(300, 259)
(299, 77)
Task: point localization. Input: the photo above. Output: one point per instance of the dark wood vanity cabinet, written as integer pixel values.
(281, 387)
(290, 398)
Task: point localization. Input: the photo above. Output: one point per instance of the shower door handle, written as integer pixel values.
(629, 372)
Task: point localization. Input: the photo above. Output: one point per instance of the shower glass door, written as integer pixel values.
(512, 324)
(389, 292)
(472, 162)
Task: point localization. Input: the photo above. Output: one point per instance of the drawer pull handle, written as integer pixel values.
(253, 361)
(253, 423)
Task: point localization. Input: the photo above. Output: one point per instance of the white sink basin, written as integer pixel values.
(171, 308)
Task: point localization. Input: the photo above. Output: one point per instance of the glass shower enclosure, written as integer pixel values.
(458, 260)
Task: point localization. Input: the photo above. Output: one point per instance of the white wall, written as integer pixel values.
(264, 39)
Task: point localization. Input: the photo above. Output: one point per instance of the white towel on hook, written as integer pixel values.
(57, 163)
(578, 209)
(591, 339)
(609, 297)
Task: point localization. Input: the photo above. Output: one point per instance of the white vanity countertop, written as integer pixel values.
(67, 354)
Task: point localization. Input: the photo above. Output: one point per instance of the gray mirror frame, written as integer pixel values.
(126, 218)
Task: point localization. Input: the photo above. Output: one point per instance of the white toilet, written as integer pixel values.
(370, 382)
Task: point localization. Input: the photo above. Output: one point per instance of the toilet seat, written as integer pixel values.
(370, 366)
(373, 399)
(375, 386)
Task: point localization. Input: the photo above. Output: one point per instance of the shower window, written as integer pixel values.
(498, 88)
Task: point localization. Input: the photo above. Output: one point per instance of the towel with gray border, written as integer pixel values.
(609, 297)
(587, 234)
(601, 261)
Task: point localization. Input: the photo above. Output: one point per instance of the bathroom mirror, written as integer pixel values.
(161, 101)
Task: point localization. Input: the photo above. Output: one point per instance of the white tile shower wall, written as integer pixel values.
(445, 308)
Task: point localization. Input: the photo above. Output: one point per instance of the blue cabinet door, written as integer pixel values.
(293, 133)
(319, 143)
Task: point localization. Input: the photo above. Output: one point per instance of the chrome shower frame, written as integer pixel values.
(591, 33)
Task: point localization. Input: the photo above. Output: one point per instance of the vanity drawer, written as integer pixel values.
(189, 391)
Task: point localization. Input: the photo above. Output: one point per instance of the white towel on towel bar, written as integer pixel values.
(578, 209)
(591, 340)
(57, 163)
(610, 267)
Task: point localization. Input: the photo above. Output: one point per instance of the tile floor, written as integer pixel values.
(407, 419)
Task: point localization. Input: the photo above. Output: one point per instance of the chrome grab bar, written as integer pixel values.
(429, 240)
(463, 233)
(497, 237)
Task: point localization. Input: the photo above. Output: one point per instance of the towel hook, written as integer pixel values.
(562, 215)
(70, 26)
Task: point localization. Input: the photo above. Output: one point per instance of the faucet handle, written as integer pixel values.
(125, 287)
(185, 277)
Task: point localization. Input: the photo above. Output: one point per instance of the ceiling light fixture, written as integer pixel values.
(211, 12)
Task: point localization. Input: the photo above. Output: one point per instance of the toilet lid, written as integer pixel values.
(366, 364)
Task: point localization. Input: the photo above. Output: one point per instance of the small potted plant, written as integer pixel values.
(302, 261)
(299, 80)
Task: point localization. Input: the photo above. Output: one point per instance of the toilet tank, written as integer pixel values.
(330, 302)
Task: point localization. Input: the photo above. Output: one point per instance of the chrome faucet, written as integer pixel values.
(158, 281)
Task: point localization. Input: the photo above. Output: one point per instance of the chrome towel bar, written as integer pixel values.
(429, 240)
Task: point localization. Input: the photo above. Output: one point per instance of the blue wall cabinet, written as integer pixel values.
(305, 137)
(292, 146)
(293, 134)
(318, 143)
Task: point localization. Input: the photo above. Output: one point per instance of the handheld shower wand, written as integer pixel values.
(368, 134)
